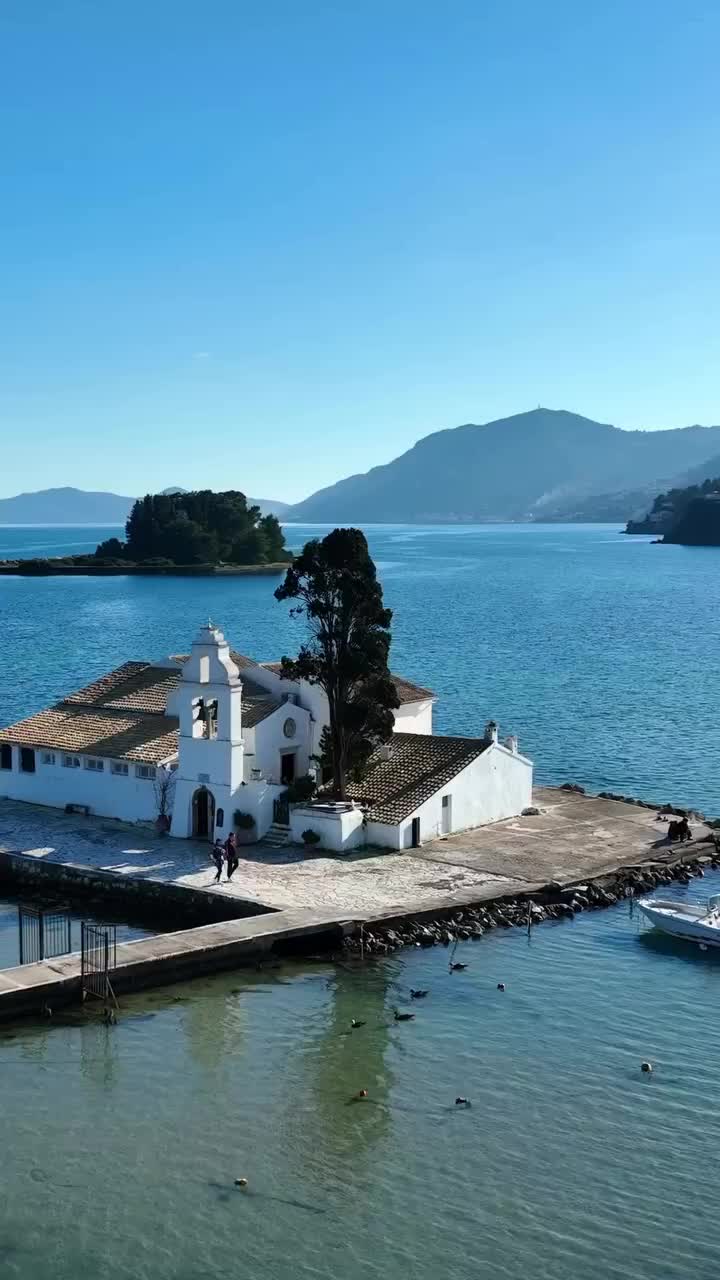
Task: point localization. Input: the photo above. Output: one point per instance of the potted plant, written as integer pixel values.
(244, 827)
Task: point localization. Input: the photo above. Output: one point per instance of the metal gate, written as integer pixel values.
(281, 811)
(44, 931)
(98, 949)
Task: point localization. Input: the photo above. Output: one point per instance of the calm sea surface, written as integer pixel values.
(120, 1145)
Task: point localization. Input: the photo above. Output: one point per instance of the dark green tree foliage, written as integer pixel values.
(698, 524)
(334, 585)
(198, 528)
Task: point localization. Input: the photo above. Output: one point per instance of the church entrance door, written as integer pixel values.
(203, 814)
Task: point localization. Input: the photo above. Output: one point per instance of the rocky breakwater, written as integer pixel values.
(551, 902)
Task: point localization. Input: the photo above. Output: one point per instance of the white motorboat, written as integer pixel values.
(685, 920)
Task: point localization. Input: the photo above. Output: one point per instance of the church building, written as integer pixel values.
(204, 742)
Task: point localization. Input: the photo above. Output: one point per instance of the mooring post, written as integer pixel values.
(529, 919)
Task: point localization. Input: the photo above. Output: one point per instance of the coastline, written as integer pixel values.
(46, 569)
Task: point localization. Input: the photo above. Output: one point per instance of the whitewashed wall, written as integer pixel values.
(268, 741)
(109, 795)
(414, 717)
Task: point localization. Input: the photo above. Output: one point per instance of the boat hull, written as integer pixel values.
(682, 924)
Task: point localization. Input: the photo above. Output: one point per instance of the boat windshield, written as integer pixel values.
(713, 903)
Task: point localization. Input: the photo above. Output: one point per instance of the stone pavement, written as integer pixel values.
(574, 837)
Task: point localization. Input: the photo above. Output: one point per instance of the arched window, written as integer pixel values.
(220, 819)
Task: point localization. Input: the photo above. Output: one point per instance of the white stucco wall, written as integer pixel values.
(338, 831)
(414, 717)
(495, 786)
(267, 742)
(109, 795)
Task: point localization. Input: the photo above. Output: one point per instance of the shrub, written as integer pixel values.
(310, 837)
(243, 821)
(301, 789)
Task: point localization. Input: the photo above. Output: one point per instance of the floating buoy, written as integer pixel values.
(354, 1023)
(501, 986)
(463, 1102)
(361, 1093)
(646, 1067)
(241, 1182)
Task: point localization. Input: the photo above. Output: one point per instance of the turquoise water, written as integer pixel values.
(120, 1145)
(599, 650)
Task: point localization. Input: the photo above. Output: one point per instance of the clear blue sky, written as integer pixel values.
(267, 243)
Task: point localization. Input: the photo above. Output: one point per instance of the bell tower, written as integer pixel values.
(210, 748)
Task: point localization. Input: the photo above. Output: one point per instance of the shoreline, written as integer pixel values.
(32, 569)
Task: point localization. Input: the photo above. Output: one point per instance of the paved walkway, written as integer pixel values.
(363, 885)
(573, 837)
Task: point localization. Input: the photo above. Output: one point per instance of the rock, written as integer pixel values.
(531, 812)
(572, 786)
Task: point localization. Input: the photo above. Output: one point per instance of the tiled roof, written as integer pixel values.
(98, 732)
(122, 714)
(405, 689)
(419, 766)
(135, 686)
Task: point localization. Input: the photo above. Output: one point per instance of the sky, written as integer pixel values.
(264, 244)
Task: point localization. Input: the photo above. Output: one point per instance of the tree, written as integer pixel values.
(164, 788)
(335, 587)
(201, 527)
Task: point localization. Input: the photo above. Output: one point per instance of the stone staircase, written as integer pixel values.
(276, 836)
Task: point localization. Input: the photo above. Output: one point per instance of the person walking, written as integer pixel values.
(233, 862)
(217, 853)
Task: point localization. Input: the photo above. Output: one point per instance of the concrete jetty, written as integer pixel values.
(280, 897)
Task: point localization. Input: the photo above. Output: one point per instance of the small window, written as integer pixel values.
(5, 756)
(220, 819)
(119, 767)
(145, 771)
(95, 766)
(48, 757)
(71, 762)
(27, 759)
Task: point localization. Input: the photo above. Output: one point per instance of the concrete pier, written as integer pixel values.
(279, 897)
(167, 958)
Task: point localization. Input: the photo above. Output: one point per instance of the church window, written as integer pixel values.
(48, 757)
(6, 756)
(27, 759)
(95, 766)
(71, 762)
(220, 819)
(146, 771)
(119, 767)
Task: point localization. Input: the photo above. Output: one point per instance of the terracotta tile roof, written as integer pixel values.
(419, 766)
(406, 690)
(121, 715)
(135, 686)
(119, 735)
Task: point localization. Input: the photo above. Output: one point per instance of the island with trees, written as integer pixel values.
(198, 532)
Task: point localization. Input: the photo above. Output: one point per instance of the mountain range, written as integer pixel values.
(547, 464)
(80, 506)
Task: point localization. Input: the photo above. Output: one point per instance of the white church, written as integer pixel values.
(194, 740)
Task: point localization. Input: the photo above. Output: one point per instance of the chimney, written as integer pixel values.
(385, 751)
(491, 731)
(511, 743)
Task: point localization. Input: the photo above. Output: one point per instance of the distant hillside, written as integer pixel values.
(698, 524)
(532, 466)
(79, 506)
(669, 508)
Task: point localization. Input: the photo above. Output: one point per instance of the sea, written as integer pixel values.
(121, 1145)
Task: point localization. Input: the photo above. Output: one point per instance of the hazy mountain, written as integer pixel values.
(532, 466)
(65, 506)
(78, 506)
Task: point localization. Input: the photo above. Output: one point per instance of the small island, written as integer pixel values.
(180, 533)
